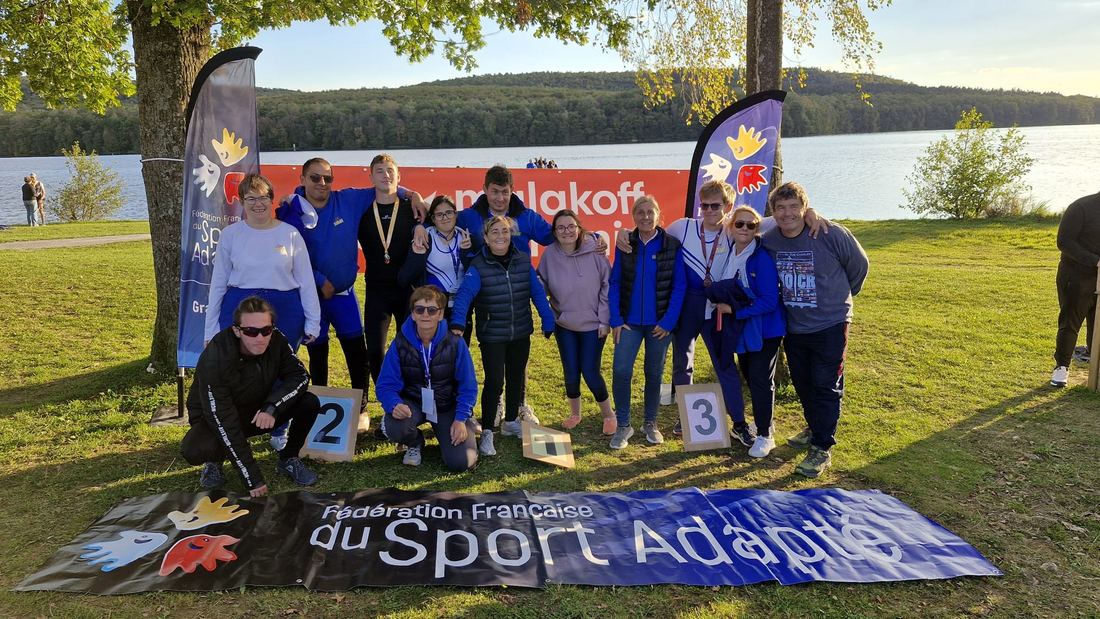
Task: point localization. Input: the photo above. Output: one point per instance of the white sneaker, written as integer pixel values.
(1060, 376)
(527, 414)
(486, 448)
(511, 428)
(762, 446)
(412, 457)
(622, 437)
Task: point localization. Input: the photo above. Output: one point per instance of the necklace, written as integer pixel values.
(387, 237)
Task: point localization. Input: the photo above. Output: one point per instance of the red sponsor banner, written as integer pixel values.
(602, 198)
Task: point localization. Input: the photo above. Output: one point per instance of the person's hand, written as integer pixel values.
(285, 199)
(458, 433)
(622, 242)
(660, 333)
(724, 308)
(618, 330)
(419, 246)
(420, 233)
(601, 244)
(401, 411)
(816, 223)
(464, 241)
(263, 420)
(420, 208)
(258, 492)
(457, 331)
(309, 339)
(327, 289)
(603, 331)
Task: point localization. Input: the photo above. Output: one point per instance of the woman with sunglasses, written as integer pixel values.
(437, 261)
(577, 277)
(263, 257)
(428, 376)
(501, 283)
(754, 269)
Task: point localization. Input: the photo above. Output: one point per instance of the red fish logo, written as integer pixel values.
(750, 178)
(191, 552)
(232, 181)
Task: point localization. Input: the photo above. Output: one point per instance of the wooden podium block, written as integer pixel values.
(332, 437)
(703, 417)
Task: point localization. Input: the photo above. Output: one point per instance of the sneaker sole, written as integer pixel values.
(623, 446)
(1059, 385)
(810, 473)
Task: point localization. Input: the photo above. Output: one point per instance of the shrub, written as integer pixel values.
(970, 173)
(93, 193)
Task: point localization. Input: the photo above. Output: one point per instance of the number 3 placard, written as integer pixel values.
(332, 437)
(703, 417)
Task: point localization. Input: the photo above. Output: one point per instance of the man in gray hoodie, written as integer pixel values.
(818, 277)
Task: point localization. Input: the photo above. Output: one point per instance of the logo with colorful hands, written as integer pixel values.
(131, 546)
(206, 512)
(191, 552)
(231, 149)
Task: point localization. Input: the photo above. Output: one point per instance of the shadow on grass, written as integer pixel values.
(123, 377)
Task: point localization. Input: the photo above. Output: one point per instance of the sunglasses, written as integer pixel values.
(710, 206)
(751, 225)
(430, 310)
(316, 178)
(256, 331)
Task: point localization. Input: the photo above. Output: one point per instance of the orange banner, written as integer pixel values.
(602, 198)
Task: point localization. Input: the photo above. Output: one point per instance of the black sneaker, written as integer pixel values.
(677, 430)
(379, 435)
(743, 433)
(212, 477)
(295, 469)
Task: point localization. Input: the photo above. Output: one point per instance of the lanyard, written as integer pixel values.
(714, 248)
(386, 238)
(426, 357)
(451, 249)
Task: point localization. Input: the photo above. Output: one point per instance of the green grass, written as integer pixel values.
(67, 231)
(947, 408)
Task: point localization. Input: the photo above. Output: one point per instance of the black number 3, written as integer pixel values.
(323, 435)
(708, 414)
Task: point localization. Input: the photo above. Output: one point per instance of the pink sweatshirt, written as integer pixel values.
(577, 283)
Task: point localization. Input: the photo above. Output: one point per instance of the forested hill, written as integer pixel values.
(535, 109)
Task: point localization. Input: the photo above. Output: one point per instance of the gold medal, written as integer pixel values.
(388, 236)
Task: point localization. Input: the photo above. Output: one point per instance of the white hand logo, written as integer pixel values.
(207, 175)
(718, 169)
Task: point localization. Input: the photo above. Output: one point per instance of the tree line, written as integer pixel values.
(542, 109)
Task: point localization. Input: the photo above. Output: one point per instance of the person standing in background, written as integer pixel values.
(1079, 242)
(40, 197)
(30, 201)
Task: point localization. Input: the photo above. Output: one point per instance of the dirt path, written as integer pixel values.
(81, 242)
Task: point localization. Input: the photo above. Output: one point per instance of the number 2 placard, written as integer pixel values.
(332, 437)
(703, 417)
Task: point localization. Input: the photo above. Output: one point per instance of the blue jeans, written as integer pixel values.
(816, 361)
(653, 365)
(581, 354)
(32, 212)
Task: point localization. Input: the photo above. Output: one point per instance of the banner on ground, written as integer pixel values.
(338, 541)
(738, 147)
(222, 147)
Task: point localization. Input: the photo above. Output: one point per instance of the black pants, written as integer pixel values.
(456, 458)
(758, 368)
(505, 364)
(1077, 304)
(380, 304)
(202, 444)
(355, 353)
(816, 361)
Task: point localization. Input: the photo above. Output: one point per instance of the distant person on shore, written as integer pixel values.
(531, 164)
(552, 165)
(40, 197)
(248, 382)
(1079, 242)
(30, 201)
(818, 277)
(426, 360)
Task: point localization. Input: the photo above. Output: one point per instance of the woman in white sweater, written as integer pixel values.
(264, 257)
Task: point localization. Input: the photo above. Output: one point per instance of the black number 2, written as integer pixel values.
(323, 435)
(708, 414)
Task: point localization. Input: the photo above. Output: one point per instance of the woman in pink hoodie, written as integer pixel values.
(576, 277)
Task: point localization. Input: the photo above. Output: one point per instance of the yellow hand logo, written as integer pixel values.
(206, 512)
(747, 144)
(230, 149)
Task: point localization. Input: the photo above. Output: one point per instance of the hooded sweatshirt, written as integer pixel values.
(577, 283)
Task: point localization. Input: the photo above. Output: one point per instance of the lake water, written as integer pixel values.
(847, 176)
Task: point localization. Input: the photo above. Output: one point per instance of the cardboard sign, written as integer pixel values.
(547, 445)
(332, 437)
(703, 417)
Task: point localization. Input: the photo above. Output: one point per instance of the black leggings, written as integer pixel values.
(505, 364)
(355, 352)
(380, 304)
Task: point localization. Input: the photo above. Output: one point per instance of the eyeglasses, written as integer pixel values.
(420, 310)
(710, 206)
(566, 229)
(443, 215)
(751, 225)
(254, 200)
(316, 178)
(256, 331)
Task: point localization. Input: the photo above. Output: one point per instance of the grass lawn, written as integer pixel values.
(67, 231)
(947, 408)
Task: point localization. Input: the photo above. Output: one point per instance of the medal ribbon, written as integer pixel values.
(386, 238)
(714, 248)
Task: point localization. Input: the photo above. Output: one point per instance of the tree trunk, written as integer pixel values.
(168, 59)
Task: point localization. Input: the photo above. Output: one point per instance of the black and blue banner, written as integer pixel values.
(338, 541)
(222, 147)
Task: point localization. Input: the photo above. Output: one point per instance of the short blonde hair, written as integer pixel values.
(745, 209)
(257, 183)
(718, 188)
(646, 199)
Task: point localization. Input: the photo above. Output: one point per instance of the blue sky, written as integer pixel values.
(1043, 45)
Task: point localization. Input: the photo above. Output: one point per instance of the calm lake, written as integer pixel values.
(847, 176)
